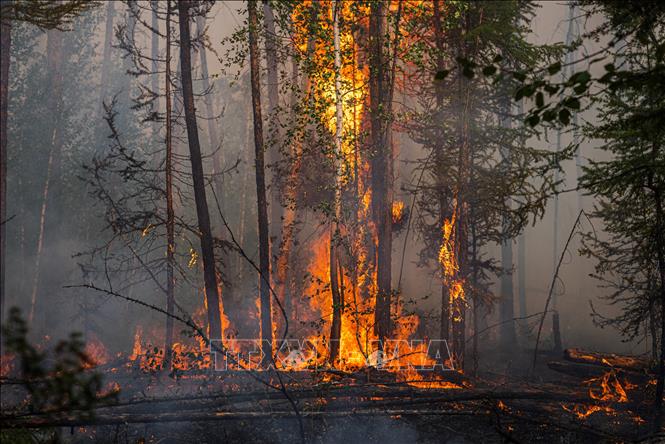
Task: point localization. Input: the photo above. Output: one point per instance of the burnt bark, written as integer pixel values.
(170, 214)
(381, 165)
(5, 47)
(262, 204)
(213, 299)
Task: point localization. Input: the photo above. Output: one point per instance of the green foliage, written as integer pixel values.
(45, 14)
(58, 382)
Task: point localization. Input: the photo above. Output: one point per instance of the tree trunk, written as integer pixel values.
(106, 65)
(337, 297)
(381, 166)
(660, 251)
(170, 215)
(507, 298)
(155, 64)
(213, 299)
(5, 46)
(274, 129)
(54, 59)
(213, 140)
(444, 328)
(262, 204)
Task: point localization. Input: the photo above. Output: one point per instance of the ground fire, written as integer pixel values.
(328, 221)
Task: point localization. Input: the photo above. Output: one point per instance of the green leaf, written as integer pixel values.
(580, 77)
(572, 103)
(520, 76)
(610, 67)
(489, 70)
(540, 99)
(564, 116)
(533, 120)
(554, 68)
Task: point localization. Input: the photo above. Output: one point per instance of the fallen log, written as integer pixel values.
(608, 360)
(589, 371)
(31, 422)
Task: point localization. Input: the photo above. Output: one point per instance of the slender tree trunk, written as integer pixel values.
(213, 299)
(262, 204)
(291, 210)
(213, 140)
(521, 272)
(337, 296)
(5, 48)
(274, 130)
(54, 56)
(106, 63)
(660, 251)
(170, 215)
(444, 331)
(381, 166)
(507, 298)
(155, 63)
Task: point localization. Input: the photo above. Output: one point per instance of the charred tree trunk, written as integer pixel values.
(274, 129)
(213, 299)
(381, 166)
(660, 252)
(5, 47)
(262, 210)
(444, 332)
(54, 58)
(170, 214)
(337, 296)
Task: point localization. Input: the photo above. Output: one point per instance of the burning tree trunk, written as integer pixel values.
(274, 128)
(170, 216)
(337, 297)
(262, 204)
(381, 165)
(213, 300)
(54, 56)
(5, 46)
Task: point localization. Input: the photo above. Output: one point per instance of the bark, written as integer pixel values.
(155, 64)
(609, 360)
(5, 47)
(262, 204)
(521, 273)
(444, 329)
(170, 215)
(507, 297)
(337, 297)
(660, 253)
(54, 59)
(381, 166)
(213, 299)
(274, 131)
(106, 60)
(213, 140)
